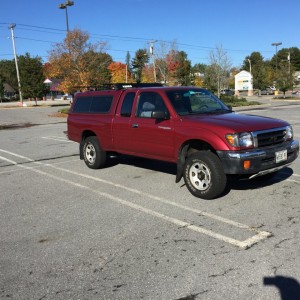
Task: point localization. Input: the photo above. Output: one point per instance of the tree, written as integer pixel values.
(197, 74)
(172, 65)
(233, 72)
(258, 69)
(283, 54)
(8, 72)
(161, 55)
(183, 72)
(219, 70)
(210, 81)
(294, 56)
(31, 76)
(138, 63)
(179, 68)
(1, 87)
(269, 75)
(119, 73)
(78, 63)
(285, 79)
(147, 74)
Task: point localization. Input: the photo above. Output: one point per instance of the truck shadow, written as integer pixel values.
(144, 163)
(233, 183)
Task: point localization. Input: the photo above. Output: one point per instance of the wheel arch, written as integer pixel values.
(188, 148)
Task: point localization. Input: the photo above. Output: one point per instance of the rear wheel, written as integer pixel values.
(204, 176)
(94, 156)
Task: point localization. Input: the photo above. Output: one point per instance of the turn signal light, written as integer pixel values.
(247, 164)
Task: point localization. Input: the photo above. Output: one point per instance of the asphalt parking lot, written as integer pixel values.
(129, 231)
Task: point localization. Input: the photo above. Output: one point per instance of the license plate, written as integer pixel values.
(280, 156)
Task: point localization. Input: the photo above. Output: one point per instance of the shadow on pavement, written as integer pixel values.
(288, 287)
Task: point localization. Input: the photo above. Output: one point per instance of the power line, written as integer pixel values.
(96, 36)
(36, 40)
(130, 38)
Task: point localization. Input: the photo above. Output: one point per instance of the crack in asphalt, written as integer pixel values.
(282, 241)
(222, 274)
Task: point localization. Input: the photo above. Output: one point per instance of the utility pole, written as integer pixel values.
(11, 27)
(153, 58)
(289, 61)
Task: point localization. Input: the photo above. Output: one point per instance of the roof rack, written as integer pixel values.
(118, 86)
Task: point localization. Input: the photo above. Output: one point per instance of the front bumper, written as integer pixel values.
(262, 161)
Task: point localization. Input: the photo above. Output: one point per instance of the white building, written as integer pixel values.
(244, 82)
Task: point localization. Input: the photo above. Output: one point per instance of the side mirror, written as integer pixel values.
(159, 115)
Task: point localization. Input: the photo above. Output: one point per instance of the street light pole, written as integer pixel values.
(65, 6)
(249, 65)
(11, 27)
(276, 45)
(250, 85)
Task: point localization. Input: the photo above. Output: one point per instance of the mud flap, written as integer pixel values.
(180, 163)
(81, 149)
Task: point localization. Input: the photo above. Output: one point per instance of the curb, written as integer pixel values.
(39, 103)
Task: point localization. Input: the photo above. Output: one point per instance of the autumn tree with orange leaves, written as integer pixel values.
(119, 72)
(78, 63)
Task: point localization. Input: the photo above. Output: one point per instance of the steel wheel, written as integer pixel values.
(93, 154)
(200, 176)
(90, 153)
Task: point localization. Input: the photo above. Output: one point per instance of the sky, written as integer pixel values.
(197, 27)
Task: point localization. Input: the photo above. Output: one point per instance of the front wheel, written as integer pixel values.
(94, 156)
(204, 176)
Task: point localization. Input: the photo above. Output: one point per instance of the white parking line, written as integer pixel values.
(289, 179)
(57, 138)
(260, 235)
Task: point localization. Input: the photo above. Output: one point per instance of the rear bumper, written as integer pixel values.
(262, 161)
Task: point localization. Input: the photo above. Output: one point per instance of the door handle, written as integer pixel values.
(135, 125)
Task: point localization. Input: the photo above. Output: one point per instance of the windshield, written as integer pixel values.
(195, 101)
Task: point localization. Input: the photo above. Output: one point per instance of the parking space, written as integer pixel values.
(129, 231)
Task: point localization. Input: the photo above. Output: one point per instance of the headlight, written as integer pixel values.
(243, 139)
(288, 133)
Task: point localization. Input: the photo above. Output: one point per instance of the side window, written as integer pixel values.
(149, 102)
(101, 104)
(82, 105)
(127, 105)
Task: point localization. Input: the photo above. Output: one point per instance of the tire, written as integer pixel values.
(94, 157)
(204, 176)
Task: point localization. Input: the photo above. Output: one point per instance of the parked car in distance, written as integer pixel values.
(267, 91)
(227, 92)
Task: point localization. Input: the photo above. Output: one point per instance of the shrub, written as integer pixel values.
(235, 101)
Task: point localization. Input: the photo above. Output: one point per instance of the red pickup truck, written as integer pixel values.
(188, 126)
